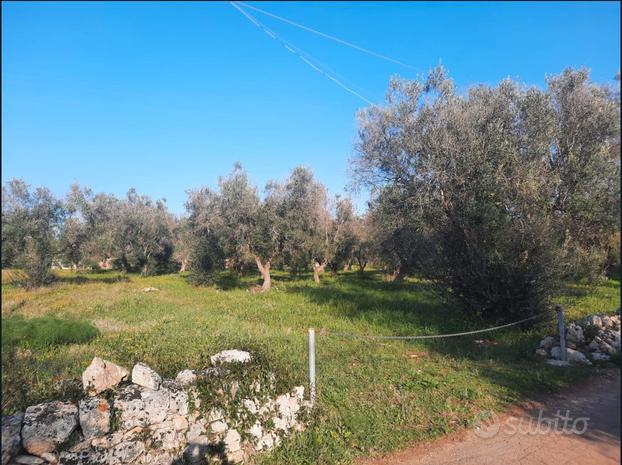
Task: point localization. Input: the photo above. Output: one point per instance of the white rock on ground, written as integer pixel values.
(186, 377)
(542, 352)
(593, 320)
(558, 363)
(47, 425)
(599, 356)
(230, 356)
(101, 375)
(574, 333)
(28, 460)
(573, 356)
(94, 416)
(144, 376)
(547, 342)
(232, 441)
(11, 427)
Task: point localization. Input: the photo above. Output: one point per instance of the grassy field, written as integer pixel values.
(372, 396)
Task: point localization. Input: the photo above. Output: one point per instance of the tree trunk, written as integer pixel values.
(184, 265)
(398, 275)
(264, 269)
(317, 269)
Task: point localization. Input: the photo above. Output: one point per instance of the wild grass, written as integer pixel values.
(373, 396)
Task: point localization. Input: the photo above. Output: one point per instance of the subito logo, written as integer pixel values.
(486, 424)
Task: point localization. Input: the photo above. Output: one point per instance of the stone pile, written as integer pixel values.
(150, 420)
(595, 338)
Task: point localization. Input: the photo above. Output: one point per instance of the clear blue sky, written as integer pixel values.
(167, 96)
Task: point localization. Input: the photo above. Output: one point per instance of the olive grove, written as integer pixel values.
(496, 195)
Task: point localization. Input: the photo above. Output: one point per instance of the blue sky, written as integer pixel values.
(165, 97)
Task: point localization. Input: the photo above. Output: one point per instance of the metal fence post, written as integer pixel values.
(312, 366)
(562, 331)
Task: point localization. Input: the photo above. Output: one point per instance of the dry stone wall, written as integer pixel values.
(595, 338)
(217, 416)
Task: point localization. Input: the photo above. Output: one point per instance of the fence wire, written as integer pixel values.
(436, 336)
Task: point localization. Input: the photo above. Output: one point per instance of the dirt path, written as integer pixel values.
(597, 399)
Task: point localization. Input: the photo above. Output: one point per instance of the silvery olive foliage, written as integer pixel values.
(31, 221)
(497, 193)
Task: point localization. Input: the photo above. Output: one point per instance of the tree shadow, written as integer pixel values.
(85, 279)
(413, 308)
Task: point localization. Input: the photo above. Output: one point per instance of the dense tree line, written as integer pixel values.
(495, 195)
(295, 226)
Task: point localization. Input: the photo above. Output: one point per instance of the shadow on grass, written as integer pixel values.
(504, 357)
(78, 279)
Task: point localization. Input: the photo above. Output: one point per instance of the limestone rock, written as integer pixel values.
(50, 457)
(186, 377)
(573, 356)
(125, 452)
(178, 402)
(599, 356)
(150, 289)
(541, 352)
(28, 460)
(547, 343)
(101, 375)
(159, 457)
(47, 425)
(231, 356)
(593, 320)
(84, 457)
(574, 333)
(11, 439)
(266, 442)
(195, 430)
(145, 376)
(94, 416)
(558, 363)
(232, 441)
(196, 450)
(130, 407)
(157, 404)
(218, 426)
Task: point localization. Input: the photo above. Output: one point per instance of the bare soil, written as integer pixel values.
(518, 442)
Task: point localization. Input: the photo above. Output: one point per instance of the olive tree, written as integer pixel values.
(31, 221)
(244, 228)
(143, 234)
(204, 221)
(304, 213)
(340, 239)
(493, 188)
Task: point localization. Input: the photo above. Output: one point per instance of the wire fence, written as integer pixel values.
(438, 336)
(546, 316)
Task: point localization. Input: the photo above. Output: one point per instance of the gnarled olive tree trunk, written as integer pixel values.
(317, 269)
(264, 269)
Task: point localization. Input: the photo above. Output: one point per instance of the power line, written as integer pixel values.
(329, 37)
(305, 57)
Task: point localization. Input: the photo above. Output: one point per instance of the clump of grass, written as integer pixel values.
(48, 331)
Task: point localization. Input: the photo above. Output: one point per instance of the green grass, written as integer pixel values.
(45, 332)
(373, 396)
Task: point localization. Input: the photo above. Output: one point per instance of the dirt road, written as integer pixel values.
(513, 438)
